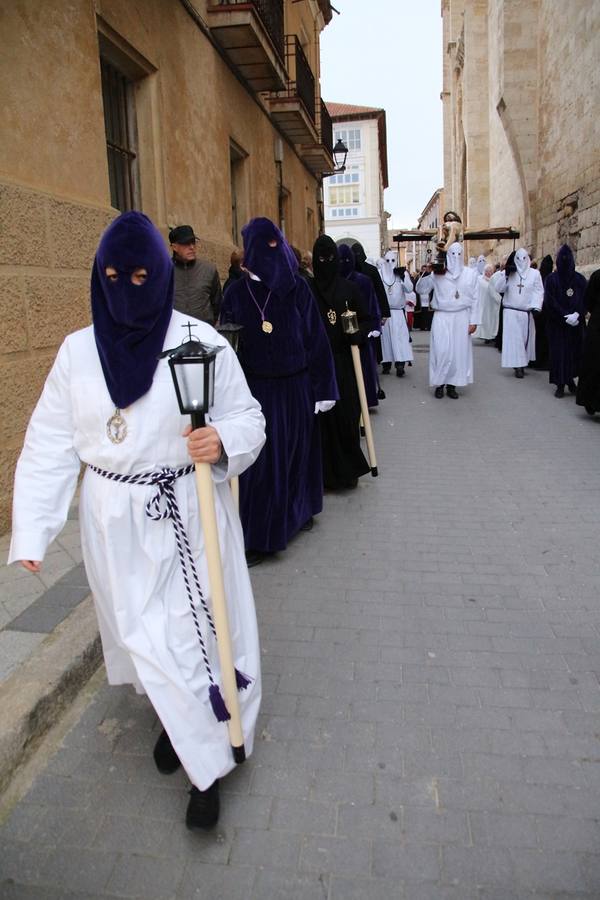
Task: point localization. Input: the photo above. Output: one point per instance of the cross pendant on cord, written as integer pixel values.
(520, 285)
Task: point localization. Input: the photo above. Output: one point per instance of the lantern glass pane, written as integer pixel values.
(211, 384)
(190, 378)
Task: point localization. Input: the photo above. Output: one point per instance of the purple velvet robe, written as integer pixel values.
(287, 371)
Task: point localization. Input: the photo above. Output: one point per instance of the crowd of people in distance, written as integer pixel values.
(319, 332)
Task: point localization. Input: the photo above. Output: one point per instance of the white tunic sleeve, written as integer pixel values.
(537, 290)
(47, 471)
(237, 417)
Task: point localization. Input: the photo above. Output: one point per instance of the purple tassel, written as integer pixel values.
(218, 704)
(241, 680)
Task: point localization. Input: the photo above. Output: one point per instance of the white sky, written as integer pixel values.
(388, 54)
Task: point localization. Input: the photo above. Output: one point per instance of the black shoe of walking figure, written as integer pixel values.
(439, 392)
(400, 370)
(386, 368)
(165, 757)
(560, 391)
(519, 373)
(203, 808)
(451, 392)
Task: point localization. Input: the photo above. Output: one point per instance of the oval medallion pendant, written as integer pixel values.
(267, 327)
(116, 428)
(570, 292)
(332, 316)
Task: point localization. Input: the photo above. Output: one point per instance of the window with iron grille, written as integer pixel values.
(121, 137)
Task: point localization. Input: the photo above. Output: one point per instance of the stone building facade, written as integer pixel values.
(521, 100)
(354, 208)
(204, 113)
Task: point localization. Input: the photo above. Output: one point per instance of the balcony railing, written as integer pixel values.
(326, 129)
(250, 34)
(270, 13)
(302, 84)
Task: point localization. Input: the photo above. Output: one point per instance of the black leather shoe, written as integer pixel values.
(572, 387)
(451, 392)
(560, 391)
(400, 370)
(439, 392)
(519, 373)
(308, 525)
(386, 368)
(165, 757)
(203, 808)
(254, 558)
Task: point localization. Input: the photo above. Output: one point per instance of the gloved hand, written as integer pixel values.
(572, 319)
(374, 334)
(324, 406)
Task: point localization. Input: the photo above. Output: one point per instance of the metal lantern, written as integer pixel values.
(349, 321)
(340, 152)
(232, 333)
(192, 367)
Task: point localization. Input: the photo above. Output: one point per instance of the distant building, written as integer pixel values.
(429, 219)
(353, 199)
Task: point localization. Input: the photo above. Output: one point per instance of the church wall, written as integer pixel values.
(569, 178)
(54, 188)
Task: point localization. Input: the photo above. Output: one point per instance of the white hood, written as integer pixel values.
(472, 262)
(481, 264)
(454, 260)
(522, 261)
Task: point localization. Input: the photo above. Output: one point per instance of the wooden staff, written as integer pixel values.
(208, 517)
(234, 483)
(366, 419)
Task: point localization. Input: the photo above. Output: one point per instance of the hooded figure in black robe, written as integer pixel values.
(541, 361)
(509, 268)
(372, 272)
(343, 459)
(286, 359)
(565, 320)
(367, 350)
(588, 386)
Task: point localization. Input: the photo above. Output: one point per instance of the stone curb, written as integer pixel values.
(38, 691)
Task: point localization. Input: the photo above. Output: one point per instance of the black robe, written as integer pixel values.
(565, 341)
(343, 459)
(588, 387)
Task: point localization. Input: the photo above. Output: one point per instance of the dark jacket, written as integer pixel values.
(197, 290)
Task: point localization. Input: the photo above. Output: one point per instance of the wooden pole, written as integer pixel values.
(208, 517)
(235, 491)
(362, 396)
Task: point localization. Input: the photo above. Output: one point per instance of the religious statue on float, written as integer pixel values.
(450, 232)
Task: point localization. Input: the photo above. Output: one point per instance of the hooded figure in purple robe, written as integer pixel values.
(287, 361)
(367, 350)
(588, 386)
(564, 307)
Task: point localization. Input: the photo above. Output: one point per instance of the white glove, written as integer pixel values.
(374, 334)
(572, 319)
(324, 406)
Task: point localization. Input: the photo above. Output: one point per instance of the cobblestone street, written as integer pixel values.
(430, 728)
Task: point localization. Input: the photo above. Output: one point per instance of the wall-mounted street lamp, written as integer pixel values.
(340, 153)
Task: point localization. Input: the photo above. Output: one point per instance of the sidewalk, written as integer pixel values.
(430, 728)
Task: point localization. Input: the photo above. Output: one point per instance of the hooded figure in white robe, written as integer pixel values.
(147, 626)
(523, 292)
(489, 306)
(395, 338)
(480, 264)
(472, 262)
(455, 316)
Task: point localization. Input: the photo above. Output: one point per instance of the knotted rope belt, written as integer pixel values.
(164, 480)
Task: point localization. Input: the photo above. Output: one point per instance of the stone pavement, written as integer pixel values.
(431, 717)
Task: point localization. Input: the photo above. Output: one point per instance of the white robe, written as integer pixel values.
(518, 328)
(451, 349)
(395, 338)
(132, 563)
(489, 307)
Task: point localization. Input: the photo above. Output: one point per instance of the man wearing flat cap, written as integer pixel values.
(197, 284)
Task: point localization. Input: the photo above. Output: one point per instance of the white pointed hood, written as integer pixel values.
(454, 260)
(522, 261)
(472, 262)
(481, 264)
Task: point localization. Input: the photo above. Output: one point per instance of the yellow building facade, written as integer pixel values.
(202, 113)
(521, 101)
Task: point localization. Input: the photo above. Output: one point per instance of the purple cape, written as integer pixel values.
(131, 321)
(275, 266)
